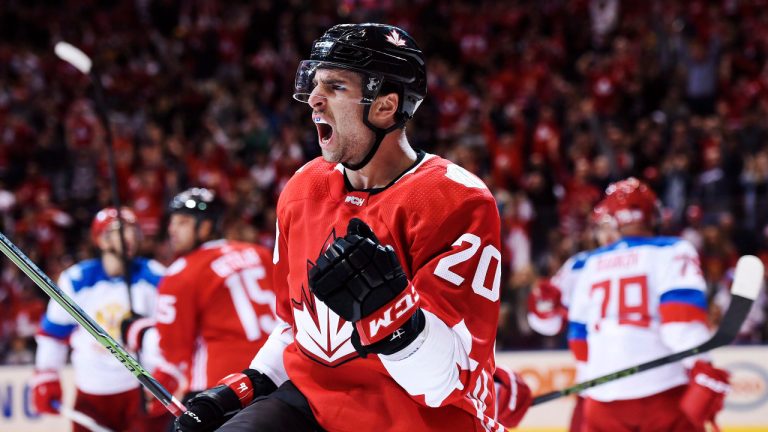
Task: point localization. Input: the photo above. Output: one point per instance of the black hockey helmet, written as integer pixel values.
(385, 56)
(382, 53)
(201, 203)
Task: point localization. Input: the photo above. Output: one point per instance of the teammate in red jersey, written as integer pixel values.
(216, 303)
(387, 263)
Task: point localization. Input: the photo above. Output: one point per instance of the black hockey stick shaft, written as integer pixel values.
(80, 61)
(46, 284)
(103, 114)
(743, 296)
(721, 338)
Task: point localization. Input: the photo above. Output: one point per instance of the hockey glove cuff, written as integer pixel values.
(46, 389)
(395, 341)
(706, 393)
(211, 408)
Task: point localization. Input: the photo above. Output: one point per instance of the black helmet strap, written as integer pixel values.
(380, 134)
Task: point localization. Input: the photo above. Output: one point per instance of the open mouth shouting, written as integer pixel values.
(324, 131)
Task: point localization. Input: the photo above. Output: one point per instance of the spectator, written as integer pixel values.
(541, 91)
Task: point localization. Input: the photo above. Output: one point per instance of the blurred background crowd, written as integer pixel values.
(547, 100)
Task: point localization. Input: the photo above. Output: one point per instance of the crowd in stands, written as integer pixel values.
(546, 100)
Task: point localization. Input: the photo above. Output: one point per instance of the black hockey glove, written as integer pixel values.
(363, 282)
(213, 407)
(132, 330)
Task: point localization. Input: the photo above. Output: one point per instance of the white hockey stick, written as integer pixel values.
(80, 418)
(72, 55)
(747, 282)
(46, 284)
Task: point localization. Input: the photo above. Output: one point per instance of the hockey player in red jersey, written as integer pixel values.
(634, 300)
(216, 303)
(387, 263)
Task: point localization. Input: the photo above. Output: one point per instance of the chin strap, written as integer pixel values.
(214, 234)
(380, 134)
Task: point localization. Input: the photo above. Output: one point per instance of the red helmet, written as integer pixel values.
(107, 219)
(601, 215)
(629, 201)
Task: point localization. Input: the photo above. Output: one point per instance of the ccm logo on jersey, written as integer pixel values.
(389, 318)
(351, 199)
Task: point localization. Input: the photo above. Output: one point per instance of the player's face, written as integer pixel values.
(110, 240)
(181, 233)
(337, 114)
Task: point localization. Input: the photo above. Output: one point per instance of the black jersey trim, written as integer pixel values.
(420, 154)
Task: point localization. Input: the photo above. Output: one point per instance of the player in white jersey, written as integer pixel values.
(549, 300)
(637, 299)
(106, 390)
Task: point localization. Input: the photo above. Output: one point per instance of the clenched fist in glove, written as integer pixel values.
(546, 313)
(364, 283)
(545, 301)
(706, 393)
(210, 409)
(513, 397)
(46, 389)
(132, 330)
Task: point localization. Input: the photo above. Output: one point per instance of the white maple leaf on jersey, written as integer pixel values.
(321, 333)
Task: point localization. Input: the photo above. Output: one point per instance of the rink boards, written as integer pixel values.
(746, 407)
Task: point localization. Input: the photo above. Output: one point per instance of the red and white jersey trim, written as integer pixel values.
(199, 375)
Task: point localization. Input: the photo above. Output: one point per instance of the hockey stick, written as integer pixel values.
(44, 282)
(80, 61)
(747, 282)
(80, 418)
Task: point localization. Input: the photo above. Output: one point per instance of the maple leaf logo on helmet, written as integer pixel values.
(394, 38)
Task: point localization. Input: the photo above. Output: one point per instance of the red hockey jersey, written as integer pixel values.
(215, 310)
(443, 223)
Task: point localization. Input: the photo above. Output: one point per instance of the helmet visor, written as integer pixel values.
(306, 81)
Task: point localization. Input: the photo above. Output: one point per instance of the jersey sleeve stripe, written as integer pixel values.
(683, 305)
(681, 312)
(579, 349)
(57, 331)
(577, 331)
(577, 340)
(690, 296)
